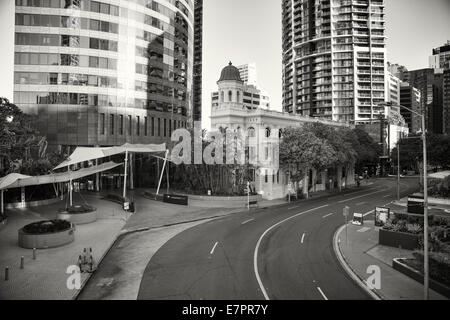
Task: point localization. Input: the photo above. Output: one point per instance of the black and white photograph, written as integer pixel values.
(219, 156)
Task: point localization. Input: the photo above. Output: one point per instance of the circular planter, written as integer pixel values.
(78, 217)
(30, 240)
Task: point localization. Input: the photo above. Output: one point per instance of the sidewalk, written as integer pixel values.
(45, 277)
(362, 250)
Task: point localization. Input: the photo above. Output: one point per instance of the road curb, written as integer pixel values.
(374, 295)
(86, 280)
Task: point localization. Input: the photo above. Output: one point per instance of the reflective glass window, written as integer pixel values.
(35, 20)
(84, 61)
(45, 20)
(24, 58)
(53, 59)
(104, 8)
(103, 63)
(34, 58)
(93, 62)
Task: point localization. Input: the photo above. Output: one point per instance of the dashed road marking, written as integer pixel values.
(323, 294)
(303, 238)
(258, 244)
(247, 221)
(328, 215)
(214, 248)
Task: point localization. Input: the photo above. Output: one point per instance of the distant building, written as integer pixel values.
(253, 96)
(230, 112)
(248, 74)
(398, 71)
(410, 97)
(429, 82)
(393, 85)
(440, 58)
(198, 60)
(446, 102)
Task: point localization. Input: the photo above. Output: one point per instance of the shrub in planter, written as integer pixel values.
(44, 227)
(439, 266)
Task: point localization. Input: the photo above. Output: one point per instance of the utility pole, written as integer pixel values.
(426, 266)
(398, 171)
(425, 210)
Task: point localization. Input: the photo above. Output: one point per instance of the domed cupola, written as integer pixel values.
(230, 73)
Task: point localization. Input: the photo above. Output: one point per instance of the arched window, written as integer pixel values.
(268, 132)
(251, 132)
(221, 96)
(238, 97)
(230, 96)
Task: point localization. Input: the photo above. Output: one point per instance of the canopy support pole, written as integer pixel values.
(70, 193)
(125, 176)
(162, 172)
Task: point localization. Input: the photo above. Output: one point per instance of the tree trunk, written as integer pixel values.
(339, 178)
(305, 183)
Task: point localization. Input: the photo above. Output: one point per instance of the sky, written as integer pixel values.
(244, 31)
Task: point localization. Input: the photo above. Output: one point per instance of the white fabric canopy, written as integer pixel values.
(10, 179)
(82, 154)
(15, 180)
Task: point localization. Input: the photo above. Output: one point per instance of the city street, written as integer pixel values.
(284, 252)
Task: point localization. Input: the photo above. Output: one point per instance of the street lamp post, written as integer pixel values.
(398, 171)
(425, 209)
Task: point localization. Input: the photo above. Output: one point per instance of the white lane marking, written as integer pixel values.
(362, 230)
(214, 248)
(303, 237)
(361, 203)
(367, 213)
(247, 221)
(328, 215)
(323, 294)
(255, 254)
(364, 195)
(389, 195)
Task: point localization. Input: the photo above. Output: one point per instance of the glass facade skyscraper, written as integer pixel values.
(334, 59)
(105, 72)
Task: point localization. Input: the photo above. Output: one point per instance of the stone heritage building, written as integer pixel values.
(231, 113)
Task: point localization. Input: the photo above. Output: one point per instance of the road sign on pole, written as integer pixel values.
(346, 213)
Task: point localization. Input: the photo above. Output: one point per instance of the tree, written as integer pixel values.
(301, 149)
(20, 142)
(367, 150)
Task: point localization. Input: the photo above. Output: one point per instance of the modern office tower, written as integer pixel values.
(429, 82)
(441, 57)
(334, 58)
(198, 59)
(393, 85)
(410, 97)
(249, 74)
(446, 102)
(105, 72)
(253, 97)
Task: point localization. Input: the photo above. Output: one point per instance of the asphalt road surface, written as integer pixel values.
(284, 252)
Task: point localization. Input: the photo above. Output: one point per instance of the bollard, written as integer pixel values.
(34, 253)
(22, 262)
(79, 262)
(91, 263)
(6, 273)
